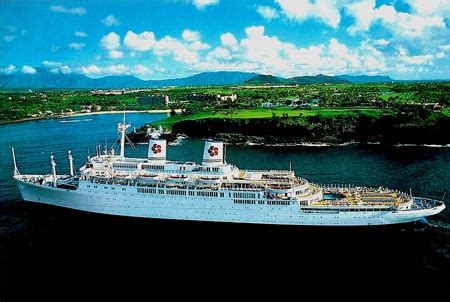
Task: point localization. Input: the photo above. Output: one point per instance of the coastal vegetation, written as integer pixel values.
(379, 112)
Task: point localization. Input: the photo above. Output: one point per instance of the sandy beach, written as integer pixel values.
(89, 113)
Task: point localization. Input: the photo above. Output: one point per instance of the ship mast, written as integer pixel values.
(16, 171)
(52, 161)
(122, 127)
(72, 173)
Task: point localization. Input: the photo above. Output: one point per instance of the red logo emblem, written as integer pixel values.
(156, 148)
(213, 151)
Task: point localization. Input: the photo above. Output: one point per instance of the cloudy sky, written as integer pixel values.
(406, 39)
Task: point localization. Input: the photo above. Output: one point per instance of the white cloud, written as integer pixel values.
(115, 54)
(311, 55)
(8, 69)
(404, 57)
(76, 46)
(267, 12)
(399, 23)
(328, 11)
(80, 34)
(141, 70)
(190, 35)
(185, 50)
(445, 47)
(229, 40)
(110, 20)
(90, 70)
(111, 41)
(262, 53)
(28, 69)
(266, 50)
(75, 11)
(57, 67)
(219, 53)
(115, 69)
(65, 69)
(173, 47)
(140, 42)
(201, 4)
(381, 42)
(430, 7)
(198, 45)
(62, 69)
(9, 38)
(51, 64)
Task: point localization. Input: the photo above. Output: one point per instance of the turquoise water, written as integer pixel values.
(42, 245)
(423, 169)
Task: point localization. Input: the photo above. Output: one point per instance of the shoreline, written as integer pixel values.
(87, 113)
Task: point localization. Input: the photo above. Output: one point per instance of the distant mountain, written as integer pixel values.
(46, 79)
(318, 79)
(210, 78)
(265, 79)
(43, 78)
(366, 79)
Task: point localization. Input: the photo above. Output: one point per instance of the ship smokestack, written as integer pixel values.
(213, 153)
(157, 149)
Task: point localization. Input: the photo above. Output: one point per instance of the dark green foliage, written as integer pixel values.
(359, 128)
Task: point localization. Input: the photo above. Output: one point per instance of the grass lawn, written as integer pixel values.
(446, 112)
(268, 113)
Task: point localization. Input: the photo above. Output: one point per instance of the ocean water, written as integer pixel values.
(42, 246)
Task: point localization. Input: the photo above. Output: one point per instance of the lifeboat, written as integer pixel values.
(148, 179)
(177, 179)
(208, 180)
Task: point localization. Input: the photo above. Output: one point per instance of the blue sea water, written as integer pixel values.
(32, 237)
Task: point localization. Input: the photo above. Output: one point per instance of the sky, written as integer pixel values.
(405, 39)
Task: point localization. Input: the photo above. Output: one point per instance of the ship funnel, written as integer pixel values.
(157, 149)
(213, 153)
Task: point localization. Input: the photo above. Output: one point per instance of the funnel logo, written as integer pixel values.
(156, 148)
(213, 151)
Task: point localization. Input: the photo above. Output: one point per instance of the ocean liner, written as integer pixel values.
(214, 190)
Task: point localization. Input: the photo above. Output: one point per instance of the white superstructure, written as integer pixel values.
(214, 190)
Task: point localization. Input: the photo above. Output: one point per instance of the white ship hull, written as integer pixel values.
(126, 201)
